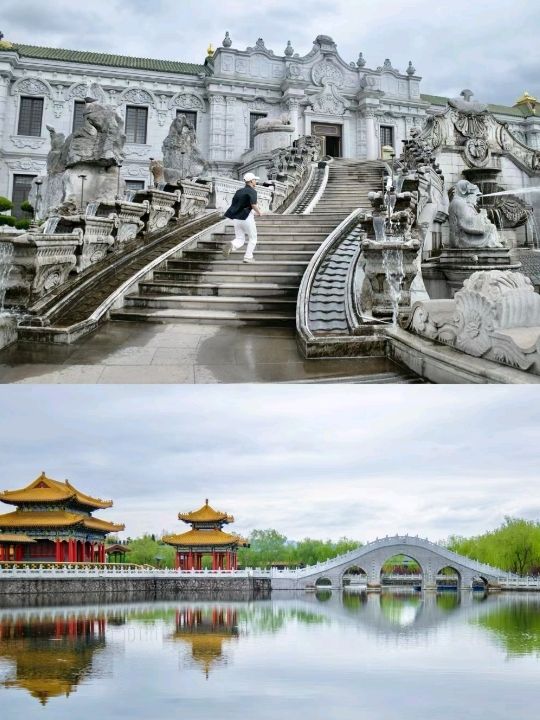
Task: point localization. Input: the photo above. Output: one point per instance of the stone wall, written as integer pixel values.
(51, 590)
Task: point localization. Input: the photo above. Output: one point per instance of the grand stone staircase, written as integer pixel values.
(201, 285)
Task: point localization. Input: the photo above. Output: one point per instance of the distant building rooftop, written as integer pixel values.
(518, 110)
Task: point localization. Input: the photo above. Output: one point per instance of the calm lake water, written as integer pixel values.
(331, 656)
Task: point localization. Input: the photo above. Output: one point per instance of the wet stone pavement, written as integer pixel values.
(145, 353)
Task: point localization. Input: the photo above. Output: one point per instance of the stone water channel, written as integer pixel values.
(341, 654)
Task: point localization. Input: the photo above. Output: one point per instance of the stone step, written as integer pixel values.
(261, 255)
(263, 245)
(246, 275)
(239, 303)
(387, 378)
(224, 289)
(280, 235)
(221, 265)
(209, 317)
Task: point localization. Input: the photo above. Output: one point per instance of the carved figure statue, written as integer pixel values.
(268, 124)
(470, 227)
(55, 158)
(181, 156)
(158, 171)
(100, 140)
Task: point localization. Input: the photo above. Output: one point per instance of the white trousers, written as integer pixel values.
(245, 229)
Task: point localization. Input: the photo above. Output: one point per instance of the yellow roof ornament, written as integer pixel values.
(210, 50)
(527, 100)
(4, 44)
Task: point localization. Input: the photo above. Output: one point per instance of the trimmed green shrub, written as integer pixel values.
(22, 224)
(27, 207)
(5, 204)
(7, 220)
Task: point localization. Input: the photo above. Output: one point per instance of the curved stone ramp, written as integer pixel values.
(78, 307)
(370, 558)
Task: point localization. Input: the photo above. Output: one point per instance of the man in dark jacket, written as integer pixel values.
(242, 212)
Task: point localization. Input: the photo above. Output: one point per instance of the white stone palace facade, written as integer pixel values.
(355, 108)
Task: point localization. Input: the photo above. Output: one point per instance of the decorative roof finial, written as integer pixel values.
(227, 42)
(289, 50)
(210, 50)
(4, 44)
(411, 69)
(466, 95)
(207, 501)
(361, 62)
(260, 44)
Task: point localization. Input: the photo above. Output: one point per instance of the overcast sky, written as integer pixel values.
(309, 461)
(490, 47)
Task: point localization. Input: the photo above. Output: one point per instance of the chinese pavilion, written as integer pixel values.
(206, 537)
(53, 523)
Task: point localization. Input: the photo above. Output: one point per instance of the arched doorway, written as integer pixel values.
(448, 579)
(401, 571)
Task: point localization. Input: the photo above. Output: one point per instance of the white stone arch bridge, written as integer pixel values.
(370, 558)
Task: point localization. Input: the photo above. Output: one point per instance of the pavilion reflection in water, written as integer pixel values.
(207, 631)
(50, 656)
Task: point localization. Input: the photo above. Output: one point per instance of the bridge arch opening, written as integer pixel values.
(354, 577)
(402, 571)
(323, 582)
(480, 583)
(448, 579)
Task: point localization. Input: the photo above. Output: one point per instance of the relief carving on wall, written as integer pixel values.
(138, 96)
(326, 72)
(187, 101)
(31, 86)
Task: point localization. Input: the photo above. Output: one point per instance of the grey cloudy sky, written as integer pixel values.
(490, 46)
(309, 461)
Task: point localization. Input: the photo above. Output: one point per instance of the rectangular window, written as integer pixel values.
(136, 124)
(21, 190)
(387, 136)
(253, 117)
(134, 184)
(191, 116)
(78, 109)
(30, 116)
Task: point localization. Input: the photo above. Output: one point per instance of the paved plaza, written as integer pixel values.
(145, 353)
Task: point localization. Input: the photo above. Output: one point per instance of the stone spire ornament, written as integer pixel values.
(289, 50)
(361, 62)
(411, 69)
(227, 42)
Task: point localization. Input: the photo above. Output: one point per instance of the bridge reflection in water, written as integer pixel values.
(59, 655)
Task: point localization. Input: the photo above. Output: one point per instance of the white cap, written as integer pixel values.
(249, 177)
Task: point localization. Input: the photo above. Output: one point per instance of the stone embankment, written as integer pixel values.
(131, 588)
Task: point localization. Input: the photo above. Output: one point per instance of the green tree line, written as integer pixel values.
(514, 546)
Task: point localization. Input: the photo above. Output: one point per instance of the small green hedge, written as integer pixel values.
(27, 207)
(5, 204)
(8, 220)
(22, 224)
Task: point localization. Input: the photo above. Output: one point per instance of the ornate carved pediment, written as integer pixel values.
(326, 72)
(329, 101)
(187, 101)
(138, 96)
(31, 86)
(83, 90)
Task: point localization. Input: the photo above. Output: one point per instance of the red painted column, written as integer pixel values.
(190, 561)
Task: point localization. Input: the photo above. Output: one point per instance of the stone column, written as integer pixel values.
(293, 108)
(217, 128)
(372, 145)
(230, 127)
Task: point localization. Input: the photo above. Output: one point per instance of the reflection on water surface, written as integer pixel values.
(296, 655)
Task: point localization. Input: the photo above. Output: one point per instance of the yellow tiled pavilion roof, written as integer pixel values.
(206, 514)
(211, 538)
(46, 490)
(55, 518)
(13, 538)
